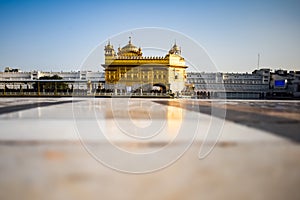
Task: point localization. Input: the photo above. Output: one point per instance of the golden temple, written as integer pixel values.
(129, 71)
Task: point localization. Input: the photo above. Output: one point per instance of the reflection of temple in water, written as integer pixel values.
(129, 71)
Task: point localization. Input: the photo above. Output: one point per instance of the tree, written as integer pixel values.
(51, 86)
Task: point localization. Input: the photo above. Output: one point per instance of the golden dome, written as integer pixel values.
(129, 47)
(109, 50)
(129, 50)
(108, 46)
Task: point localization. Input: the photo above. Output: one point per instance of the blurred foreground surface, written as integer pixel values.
(42, 157)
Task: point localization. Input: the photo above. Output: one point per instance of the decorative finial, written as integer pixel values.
(129, 39)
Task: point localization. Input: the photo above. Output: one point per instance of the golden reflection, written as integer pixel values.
(174, 119)
(139, 124)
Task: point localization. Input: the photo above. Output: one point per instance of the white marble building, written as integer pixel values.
(233, 84)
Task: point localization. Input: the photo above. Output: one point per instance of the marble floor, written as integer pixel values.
(93, 148)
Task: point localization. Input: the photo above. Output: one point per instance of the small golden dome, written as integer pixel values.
(175, 49)
(108, 46)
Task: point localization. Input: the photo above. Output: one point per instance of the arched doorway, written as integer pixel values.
(159, 88)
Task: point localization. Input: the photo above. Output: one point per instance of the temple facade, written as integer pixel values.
(128, 71)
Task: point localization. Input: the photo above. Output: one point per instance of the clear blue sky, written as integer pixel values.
(59, 34)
